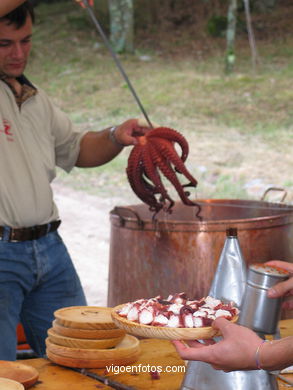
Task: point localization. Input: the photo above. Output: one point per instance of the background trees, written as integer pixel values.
(127, 21)
(239, 127)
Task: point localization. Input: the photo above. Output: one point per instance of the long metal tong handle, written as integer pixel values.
(116, 59)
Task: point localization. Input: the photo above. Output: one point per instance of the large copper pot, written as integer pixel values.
(178, 252)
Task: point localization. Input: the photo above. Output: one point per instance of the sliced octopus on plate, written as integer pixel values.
(177, 311)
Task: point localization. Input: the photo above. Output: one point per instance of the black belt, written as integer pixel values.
(27, 233)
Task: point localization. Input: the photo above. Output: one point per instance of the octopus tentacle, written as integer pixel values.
(143, 189)
(171, 135)
(134, 163)
(146, 191)
(169, 173)
(167, 150)
(153, 174)
(149, 194)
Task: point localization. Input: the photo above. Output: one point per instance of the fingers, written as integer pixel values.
(198, 344)
(282, 264)
(144, 123)
(127, 132)
(222, 324)
(182, 345)
(197, 352)
(281, 289)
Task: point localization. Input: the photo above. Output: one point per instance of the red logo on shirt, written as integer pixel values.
(7, 127)
(7, 130)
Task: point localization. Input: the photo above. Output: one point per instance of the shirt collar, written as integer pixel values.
(28, 89)
(24, 81)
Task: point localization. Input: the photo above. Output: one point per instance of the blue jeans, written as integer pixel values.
(36, 278)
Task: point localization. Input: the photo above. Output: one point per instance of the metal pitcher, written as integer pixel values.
(229, 283)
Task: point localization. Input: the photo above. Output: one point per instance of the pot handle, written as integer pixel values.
(122, 219)
(274, 189)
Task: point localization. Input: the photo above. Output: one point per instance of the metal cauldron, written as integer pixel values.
(178, 252)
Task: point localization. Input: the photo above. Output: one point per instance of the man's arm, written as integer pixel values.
(8, 5)
(98, 148)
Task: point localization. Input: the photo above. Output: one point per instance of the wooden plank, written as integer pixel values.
(159, 354)
(61, 378)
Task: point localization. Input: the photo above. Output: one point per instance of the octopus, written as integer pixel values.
(155, 157)
(177, 311)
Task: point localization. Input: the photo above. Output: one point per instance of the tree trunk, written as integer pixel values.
(251, 38)
(121, 25)
(230, 35)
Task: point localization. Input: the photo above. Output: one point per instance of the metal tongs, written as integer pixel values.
(116, 59)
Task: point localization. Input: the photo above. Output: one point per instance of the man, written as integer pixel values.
(36, 273)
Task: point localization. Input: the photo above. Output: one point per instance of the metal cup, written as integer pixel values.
(258, 311)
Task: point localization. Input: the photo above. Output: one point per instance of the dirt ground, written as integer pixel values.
(256, 162)
(85, 230)
(86, 225)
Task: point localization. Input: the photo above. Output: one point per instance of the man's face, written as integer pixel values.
(15, 46)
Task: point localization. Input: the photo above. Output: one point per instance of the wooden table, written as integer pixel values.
(159, 353)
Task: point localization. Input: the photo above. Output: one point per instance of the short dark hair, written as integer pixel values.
(18, 15)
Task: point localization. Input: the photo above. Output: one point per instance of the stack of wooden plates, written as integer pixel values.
(86, 337)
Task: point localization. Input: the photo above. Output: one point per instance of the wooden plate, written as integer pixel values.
(82, 343)
(87, 333)
(91, 363)
(22, 373)
(160, 332)
(85, 317)
(128, 347)
(8, 384)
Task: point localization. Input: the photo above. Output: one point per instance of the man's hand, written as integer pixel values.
(80, 2)
(126, 133)
(97, 148)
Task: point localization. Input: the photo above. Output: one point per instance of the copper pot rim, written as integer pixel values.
(130, 216)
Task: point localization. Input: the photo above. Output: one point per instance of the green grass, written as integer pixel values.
(84, 78)
(178, 90)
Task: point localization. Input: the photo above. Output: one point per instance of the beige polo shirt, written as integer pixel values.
(34, 139)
